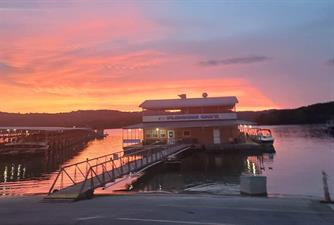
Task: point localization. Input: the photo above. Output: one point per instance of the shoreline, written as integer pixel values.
(181, 193)
(168, 208)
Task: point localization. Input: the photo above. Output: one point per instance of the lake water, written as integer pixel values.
(302, 152)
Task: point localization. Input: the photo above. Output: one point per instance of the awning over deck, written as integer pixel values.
(187, 124)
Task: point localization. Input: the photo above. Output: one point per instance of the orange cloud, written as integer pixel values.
(61, 60)
(128, 95)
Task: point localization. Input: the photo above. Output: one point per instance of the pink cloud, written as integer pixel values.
(69, 59)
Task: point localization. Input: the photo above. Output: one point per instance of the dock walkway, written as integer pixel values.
(79, 180)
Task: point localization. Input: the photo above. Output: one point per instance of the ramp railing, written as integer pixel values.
(93, 173)
(75, 173)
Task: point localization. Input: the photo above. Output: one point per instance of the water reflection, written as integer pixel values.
(30, 175)
(13, 173)
(318, 131)
(256, 165)
(203, 172)
(301, 153)
(17, 168)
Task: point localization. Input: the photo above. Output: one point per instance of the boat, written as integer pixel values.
(99, 134)
(262, 136)
(330, 127)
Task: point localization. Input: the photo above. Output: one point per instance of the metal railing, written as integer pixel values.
(93, 173)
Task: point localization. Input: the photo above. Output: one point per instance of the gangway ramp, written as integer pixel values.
(79, 180)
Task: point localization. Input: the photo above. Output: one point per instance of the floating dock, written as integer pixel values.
(79, 180)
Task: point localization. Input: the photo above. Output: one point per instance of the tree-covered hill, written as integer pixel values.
(317, 113)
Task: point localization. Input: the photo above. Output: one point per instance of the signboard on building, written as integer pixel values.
(190, 117)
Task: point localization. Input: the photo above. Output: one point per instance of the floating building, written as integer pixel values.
(206, 121)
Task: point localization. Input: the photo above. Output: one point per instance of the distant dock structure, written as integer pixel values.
(44, 141)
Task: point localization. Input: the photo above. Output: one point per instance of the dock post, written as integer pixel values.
(103, 175)
(121, 167)
(91, 179)
(87, 164)
(327, 197)
(113, 170)
(136, 166)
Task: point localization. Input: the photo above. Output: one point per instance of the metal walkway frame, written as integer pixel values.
(79, 180)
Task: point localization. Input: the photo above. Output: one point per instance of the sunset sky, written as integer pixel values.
(58, 55)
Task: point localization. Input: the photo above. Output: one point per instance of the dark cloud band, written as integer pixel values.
(9, 69)
(330, 62)
(238, 60)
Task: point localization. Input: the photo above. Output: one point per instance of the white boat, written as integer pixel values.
(262, 136)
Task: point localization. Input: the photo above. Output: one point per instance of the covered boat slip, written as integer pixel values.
(204, 133)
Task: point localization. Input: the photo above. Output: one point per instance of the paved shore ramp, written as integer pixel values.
(78, 181)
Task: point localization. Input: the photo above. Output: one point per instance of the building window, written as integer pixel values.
(147, 133)
(186, 133)
(162, 133)
(155, 134)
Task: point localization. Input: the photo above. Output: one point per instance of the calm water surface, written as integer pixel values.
(20, 176)
(295, 169)
(302, 152)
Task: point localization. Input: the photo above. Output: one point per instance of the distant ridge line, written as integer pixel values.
(104, 118)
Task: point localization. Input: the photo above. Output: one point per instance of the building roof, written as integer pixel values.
(188, 124)
(189, 102)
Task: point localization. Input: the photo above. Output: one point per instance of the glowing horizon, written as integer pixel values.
(239, 88)
(62, 56)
